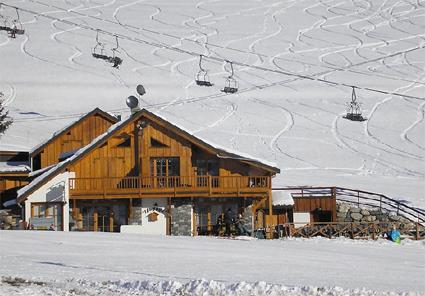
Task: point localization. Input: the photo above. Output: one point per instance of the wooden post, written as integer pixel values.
(95, 221)
(270, 214)
(358, 199)
(79, 220)
(333, 190)
(168, 221)
(417, 231)
(209, 225)
(111, 222)
(209, 185)
(74, 209)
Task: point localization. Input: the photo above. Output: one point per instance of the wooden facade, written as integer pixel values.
(71, 138)
(147, 158)
(14, 174)
(322, 207)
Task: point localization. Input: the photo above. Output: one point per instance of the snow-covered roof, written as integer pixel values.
(23, 192)
(282, 198)
(9, 203)
(14, 167)
(229, 153)
(70, 125)
(40, 171)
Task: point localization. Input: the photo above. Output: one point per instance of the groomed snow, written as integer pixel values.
(120, 264)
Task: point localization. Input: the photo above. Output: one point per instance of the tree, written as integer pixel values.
(5, 121)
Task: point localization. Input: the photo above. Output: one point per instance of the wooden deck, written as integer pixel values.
(194, 186)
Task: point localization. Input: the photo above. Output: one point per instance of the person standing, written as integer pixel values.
(228, 219)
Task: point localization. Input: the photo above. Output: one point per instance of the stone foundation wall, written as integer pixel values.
(248, 219)
(181, 221)
(349, 213)
(136, 213)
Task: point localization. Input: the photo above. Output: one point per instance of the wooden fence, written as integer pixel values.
(361, 198)
(359, 230)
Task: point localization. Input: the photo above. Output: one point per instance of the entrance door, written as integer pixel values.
(210, 217)
(104, 217)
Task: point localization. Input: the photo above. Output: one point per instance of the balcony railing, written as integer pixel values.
(175, 185)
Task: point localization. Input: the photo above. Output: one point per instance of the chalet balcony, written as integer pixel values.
(195, 186)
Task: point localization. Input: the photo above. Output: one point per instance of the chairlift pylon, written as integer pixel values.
(354, 111)
(231, 86)
(202, 78)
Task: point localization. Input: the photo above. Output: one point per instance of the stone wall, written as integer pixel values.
(136, 212)
(351, 213)
(248, 219)
(181, 218)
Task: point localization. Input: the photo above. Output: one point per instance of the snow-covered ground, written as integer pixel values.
(49, 78)
(38, 263)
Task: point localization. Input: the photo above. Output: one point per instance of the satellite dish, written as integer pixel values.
(140, 90)
(132, 102)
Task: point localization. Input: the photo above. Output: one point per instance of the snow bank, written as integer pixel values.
(142, 264)
(15, 286)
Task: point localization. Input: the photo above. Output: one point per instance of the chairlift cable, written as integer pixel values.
(217, 59)
(216, 45)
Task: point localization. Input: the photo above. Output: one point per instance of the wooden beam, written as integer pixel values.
(270, 215)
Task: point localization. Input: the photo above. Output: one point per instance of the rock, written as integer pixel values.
(394, 218)
(354, 210)
(340, 219)
(369, 219)
(364, 212)
(392, 214)
(404, 220)
(356, 216)
(348, 219)
(375, 212)
(343, 208)
(341, 214)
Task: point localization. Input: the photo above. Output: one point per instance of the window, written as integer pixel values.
(157, 144)
(165, 166)
(46, 216)
(207, 167)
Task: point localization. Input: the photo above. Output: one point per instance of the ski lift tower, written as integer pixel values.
(354, 111)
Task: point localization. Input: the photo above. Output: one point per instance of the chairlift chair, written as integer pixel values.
(354, 112)
(202, 78)
(98, 49)
(15, 28)
(116, 61)
(231, 86)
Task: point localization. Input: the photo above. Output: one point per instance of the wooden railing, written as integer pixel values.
(354, 230)
(360, 198)
(176, 185)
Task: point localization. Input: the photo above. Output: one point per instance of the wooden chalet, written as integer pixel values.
(14, 174)
(144, 175)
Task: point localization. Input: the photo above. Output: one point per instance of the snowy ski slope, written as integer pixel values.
(49, 78)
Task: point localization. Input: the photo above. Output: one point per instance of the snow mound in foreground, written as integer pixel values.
(19, 286)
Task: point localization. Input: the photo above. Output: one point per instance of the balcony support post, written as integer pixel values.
(270, 220)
